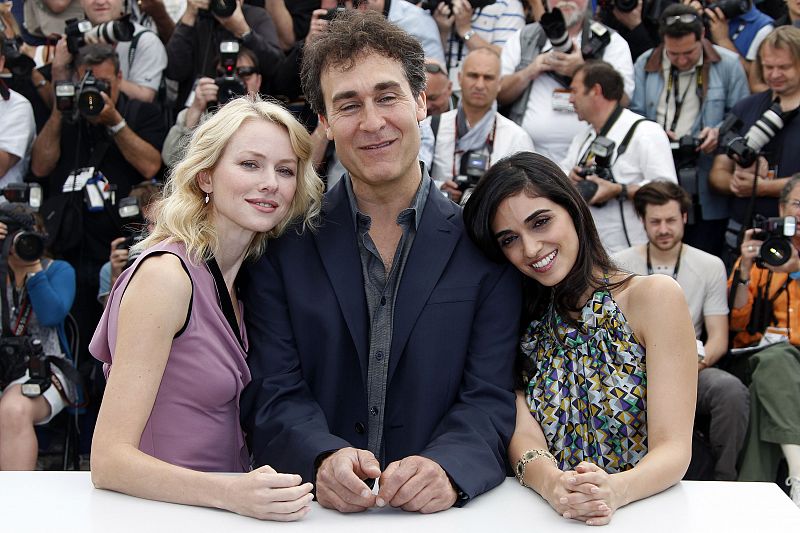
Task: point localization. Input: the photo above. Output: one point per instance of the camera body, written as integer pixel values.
(80, 32)
(555, 27)
(332, 13)
(83, 98)
(473, 165)
(18, 354)
(730, 8)
(221, 8)
(230, 85)
(624, 6)
(745, 150)
(431, 5)
(133, 224)
(19, 64)
(777, 234)
(603, 150)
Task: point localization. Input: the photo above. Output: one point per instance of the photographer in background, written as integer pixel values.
(247, 80)
(112, 151)
(638, 152)
(136, 229)
(536, 72)
(142, 60)
(738, 31)
(17, 130)
(755, 185)
(635, 20)
(193, 50)
(688, 86)
(775, 370)
(474, 136)
(40, 293)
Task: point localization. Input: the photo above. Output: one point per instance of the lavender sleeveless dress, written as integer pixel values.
(195, 418)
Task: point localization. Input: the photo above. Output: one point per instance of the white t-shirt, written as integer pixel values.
(509, 139)
(17, 133)
(552, 131)
(149, 59)
(700, 275)
(647, 158)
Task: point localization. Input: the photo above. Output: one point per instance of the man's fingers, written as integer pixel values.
(368, 465)
(395, 477)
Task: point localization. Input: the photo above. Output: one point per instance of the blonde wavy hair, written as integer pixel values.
(181, 213)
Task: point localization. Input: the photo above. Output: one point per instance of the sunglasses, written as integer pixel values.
(433, 68)
(685, 18)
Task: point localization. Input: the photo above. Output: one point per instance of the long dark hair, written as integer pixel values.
(537, 176)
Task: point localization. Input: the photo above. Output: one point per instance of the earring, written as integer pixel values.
(207, 199)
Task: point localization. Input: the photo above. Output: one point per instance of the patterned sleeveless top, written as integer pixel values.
(587, 386)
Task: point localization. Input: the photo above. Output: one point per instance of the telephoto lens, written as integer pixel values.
(555, 27)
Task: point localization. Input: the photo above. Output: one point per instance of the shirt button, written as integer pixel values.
(379, 356)
(383, 300)
(373, 411)
(360, 429)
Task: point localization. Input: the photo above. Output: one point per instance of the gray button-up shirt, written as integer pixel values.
(380, 288)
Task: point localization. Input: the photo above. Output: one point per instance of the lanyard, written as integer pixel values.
(612, 119)
(674, 270)
(489, 144)
(672, 87)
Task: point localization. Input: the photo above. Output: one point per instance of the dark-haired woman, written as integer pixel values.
(607, 372)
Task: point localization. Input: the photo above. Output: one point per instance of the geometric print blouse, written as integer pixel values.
(587, 386)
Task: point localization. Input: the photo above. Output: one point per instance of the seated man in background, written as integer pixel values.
(637, 152)
(767, 301)
(474, 136)
(438, 88)
(663, 208)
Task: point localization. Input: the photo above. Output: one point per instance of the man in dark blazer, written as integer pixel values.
(382, 344)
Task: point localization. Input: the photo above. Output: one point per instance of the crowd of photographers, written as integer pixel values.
(100, 96)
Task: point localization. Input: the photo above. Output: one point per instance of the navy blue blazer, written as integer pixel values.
(449, 395)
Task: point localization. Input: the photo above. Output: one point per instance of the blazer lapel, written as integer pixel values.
(433, 245)
(336, 242)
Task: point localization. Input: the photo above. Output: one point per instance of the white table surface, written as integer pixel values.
(67, 501)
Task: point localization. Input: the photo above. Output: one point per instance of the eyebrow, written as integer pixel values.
(382, 86)
(527, 219)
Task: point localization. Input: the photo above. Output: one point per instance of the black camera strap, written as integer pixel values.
(4, 308)
(675, 268)
(672, 87)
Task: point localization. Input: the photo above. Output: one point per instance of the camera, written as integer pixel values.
(332, 13)
(730, 8)
(745, 150)
(83, 98)
(80, 32)
(555, 27)
(625, 6)
(133, 224)
(473, 165)
(221, 8)
(30, 193)
(431, 5)
(19, 64)
(777, 234)
(27, 243)
(603, 150)
(684, 150)
(230, 85)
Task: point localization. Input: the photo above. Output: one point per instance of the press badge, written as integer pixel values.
(560, 100)
(96, 192)
(77, 179)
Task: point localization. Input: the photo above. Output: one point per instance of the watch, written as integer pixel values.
(623, 193)
(467, 36)
(527, 457)
(116, 128)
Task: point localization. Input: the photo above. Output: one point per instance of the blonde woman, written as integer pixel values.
(172, 336)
